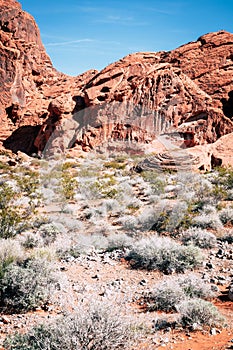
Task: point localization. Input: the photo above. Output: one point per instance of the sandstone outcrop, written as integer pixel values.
(28, 80)
(185, 94)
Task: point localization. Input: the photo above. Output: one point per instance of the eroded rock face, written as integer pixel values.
(190, 87)
(187, 91)
(28, 81)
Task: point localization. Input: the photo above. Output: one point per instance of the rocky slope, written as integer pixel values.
(185, 92)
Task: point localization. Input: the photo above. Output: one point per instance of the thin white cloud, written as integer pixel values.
(70, 42)
(120, 20)
(161, 11)
(89, 9)
(77, 44)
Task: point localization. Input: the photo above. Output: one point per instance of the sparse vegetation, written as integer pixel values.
(195, 287)
(107, 214)
(198, 312)
(168, 294)
(27, 285)
(164, 254)
(226, 216)
(94, 328)
(199, 237)
(68, 185)
(11, 219)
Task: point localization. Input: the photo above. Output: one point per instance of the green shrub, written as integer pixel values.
(13, 218)
(27, 285)
(199, 312)
(10, 217)
(68, 185)
(164, 254)
(50, 336)
(27, 180)
(115, 164)
(199, 237)
(94, 328)
(31, 240)
(225, 177)
(100, 327)
(155, 181)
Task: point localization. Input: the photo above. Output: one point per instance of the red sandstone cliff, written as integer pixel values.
(188, 90)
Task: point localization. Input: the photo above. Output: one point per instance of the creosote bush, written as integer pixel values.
(95, 328)
(68, 185)
(10, 217)
(164, 254)
(27, 285)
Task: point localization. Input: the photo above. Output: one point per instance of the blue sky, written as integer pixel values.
(80, 35)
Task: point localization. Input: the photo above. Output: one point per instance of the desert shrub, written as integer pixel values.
(200, 312)
(155, 181)
(230, 195)
(163, 216)
(115, 164)
(50, 336)
(94, 328)
(100, 327)
(176, 217)
(31, 240)
(130, 223)
(27, 285)
(224, 177)
(199, 237)
(49, 232)
(226, 216)
(204, 221)
(10, 251)
(164, 254)
(195, 184)
(110, 205)
(68, 185)
(119, 241)
(86, 244)
(195, 287)
(27, 180)
(10, 217)
(166, 296)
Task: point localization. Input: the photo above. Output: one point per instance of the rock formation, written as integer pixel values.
(28, 80)
(186, 92)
